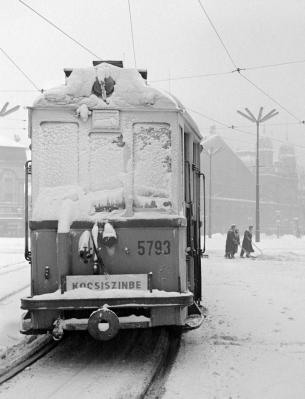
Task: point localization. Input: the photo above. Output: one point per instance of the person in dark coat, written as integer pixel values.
(247, 243)
(237, 241)
(230, 242)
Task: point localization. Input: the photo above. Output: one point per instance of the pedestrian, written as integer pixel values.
(237, 241)
(230, 242)
(247, 243)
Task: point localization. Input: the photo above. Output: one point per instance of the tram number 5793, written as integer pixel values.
(154, 247)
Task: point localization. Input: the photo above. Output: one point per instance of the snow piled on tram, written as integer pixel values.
(85, 174)
(129, 89)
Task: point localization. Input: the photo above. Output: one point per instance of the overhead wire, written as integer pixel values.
(132, 36)
(18, 91)
(218, 35)
(235, 128)
(237, 69)
(274, 65)
(20, 70)
(251, 68)
(12, 128)
(15, 119)
(59, 29)
(192, 76)
(173, 78)
(271, 98)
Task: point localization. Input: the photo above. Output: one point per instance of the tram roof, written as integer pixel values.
(106, 86)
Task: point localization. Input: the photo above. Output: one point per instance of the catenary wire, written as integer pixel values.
(19, 69)
(271, 98)
(192, 76)
(132, 36)
(233, 127)
(184, 77)
(274, 65)
(18, 91)
(59, 29)
(218, 35)
(242, 69)
(251, 68)
(12, 128)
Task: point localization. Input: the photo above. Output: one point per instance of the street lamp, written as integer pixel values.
(260, 119)
(210, 152)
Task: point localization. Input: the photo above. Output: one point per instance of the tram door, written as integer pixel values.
(192, 211)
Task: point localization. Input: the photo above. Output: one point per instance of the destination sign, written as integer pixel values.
(108, 282)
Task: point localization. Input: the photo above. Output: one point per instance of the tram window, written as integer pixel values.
(152, 165)
(182, 163)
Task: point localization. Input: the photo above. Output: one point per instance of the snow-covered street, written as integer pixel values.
(14, 283)
(252, 344)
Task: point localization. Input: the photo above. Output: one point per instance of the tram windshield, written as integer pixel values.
(102, 171)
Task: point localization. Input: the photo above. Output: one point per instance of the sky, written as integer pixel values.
(172, 39)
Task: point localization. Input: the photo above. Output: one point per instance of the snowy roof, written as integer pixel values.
(106, 86)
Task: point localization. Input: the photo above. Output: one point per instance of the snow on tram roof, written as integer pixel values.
(105, 86)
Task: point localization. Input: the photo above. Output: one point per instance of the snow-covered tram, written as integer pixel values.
(114, 233)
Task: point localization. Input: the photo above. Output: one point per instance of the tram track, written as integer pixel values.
(12, 293)
(22, 355)
(21, 267)
(7, 265)
(12, 277)
(135, 364)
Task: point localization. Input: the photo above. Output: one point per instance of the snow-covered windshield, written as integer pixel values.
(106, 170)
(82, 175)
(152, 165)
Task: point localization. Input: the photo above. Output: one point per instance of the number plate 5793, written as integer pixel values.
(154, 247)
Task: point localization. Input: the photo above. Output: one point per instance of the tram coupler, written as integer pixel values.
(58, 330)
(103, 324)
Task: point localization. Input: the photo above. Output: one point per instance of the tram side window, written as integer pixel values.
(182, 182)
(187, 170)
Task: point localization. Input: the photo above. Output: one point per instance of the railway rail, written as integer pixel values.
(7, 275)
(13, 267)
(133, 365)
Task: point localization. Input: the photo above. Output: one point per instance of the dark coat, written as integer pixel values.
(230, 242)
(236, 241)
(247, 242)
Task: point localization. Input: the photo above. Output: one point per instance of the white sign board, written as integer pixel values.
(108, 282)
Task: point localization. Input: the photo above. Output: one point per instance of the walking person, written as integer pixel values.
(230, 242)
(247, 243)
(237, 241)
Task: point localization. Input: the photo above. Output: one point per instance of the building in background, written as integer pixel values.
(233, 188)
(12, 160)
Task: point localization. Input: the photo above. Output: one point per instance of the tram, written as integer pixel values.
(114, 234)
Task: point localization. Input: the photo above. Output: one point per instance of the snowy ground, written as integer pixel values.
(252, 344)
(14, 277)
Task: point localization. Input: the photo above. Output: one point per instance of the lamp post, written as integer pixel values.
(260, 119)
(210, 152)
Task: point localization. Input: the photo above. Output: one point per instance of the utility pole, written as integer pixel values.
(210, 152)
(260, 119)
